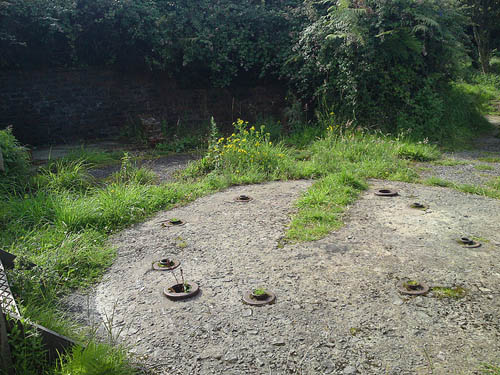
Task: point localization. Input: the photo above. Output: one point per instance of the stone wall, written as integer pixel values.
(47, 107)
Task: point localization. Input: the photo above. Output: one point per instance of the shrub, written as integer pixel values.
(248, 151)
(16, 163)
(381, 63)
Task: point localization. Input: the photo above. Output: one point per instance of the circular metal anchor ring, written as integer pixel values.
(158, 266)
(419, 206)
(243, 198)
(175, 292)
(468, 243)
(386, 193)
(417, 289)
(173, 223)
(249, 299)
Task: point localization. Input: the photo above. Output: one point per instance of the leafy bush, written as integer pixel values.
(16, 163)
(198, 41)
(381, 63)
(248, 151)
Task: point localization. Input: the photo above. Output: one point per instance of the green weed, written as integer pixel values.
(490, 159)
(14, 177)
(436, 181)
(493, 191)
(483, 167)
(27, 351)
(130, 173)
(321, 207)
(417, 151)
(95, 359)
(490, 370)
(91, 157)
(448, 162)
(64, 176)
(445, 292)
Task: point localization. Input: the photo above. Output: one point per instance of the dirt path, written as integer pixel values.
(477, 166)
(338, 310)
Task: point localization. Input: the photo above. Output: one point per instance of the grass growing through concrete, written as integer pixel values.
(448, 162)
(446, 292)
(341, 161)
(490, 159)
(490, 370)
(483, 167)
(492, 189)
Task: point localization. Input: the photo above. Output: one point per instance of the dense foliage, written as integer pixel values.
(384, 64)
(198, 38)
(15, 165)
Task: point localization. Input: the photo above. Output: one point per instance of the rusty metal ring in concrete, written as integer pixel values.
(418, 289)
(467, 242)
(252, 301)
(243, 198)
(173, 223)
(175, 292)
(419, 206)
(162, 265)
(386, 193)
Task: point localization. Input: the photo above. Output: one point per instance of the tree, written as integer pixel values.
(382, 63)
(485, 19)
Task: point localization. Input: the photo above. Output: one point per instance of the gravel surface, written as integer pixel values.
(471, 170)
(338, 310)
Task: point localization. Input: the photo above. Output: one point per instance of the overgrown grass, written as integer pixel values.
(15, 164)
(448, 162)
(92, 157)
(484, 89)
(62, 222)
(344, 163)
(492, 189)
(61, 176)
(490, 159)
(95, 359)
(462, 118)
(341, 160)
(483, 167)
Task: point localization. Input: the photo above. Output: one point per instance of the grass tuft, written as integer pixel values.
(95, 359)
(490, 159)
(448, 162)
(483, 167)
(62, 176)
(445, 292)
